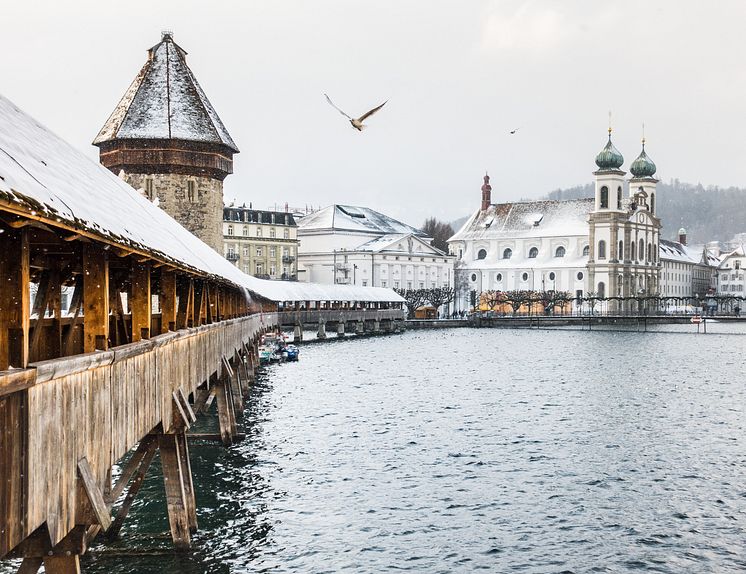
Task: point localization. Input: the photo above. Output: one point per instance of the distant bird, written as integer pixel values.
(513, 131)
(357, 123)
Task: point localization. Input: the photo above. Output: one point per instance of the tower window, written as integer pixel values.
(619, 197)
(652, 203)
(149, 188)
(641, 250)
(602, 249)
(482, 254)
(508, 253)
(620, 255)
(533, 253)
(604, 197)
(560, 252)
(191, 185)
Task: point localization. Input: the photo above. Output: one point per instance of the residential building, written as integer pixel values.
(731, 273)
(686, 271)
(359, 246)
(261, 243)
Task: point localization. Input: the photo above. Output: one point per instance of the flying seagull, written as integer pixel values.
(513, 131)
(357, 123)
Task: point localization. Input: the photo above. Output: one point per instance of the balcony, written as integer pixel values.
(232, 256)
(288, 259)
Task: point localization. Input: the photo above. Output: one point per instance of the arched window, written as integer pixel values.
(602, 249)
(586, 251)
(650, 252)
(559, 252)
(508, 253)
(620, 255)
(230, 230)
(632, 249)
(652, 203)
(641, 250)
(601, 291)
(604, 197)
(533, 252)
(619, 197)
(481, 254)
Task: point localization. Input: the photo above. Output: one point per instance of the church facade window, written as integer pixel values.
(482, 254)
(586, 251)
(559, 252)
(601, 291)
(533, 253)
(619, 197)
(602, 249)
(508, 253)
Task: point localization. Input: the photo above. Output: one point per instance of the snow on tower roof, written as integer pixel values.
(353, 218)
(43, 177)
(165, 101)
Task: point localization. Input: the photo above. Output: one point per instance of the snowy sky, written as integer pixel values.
(459, 75)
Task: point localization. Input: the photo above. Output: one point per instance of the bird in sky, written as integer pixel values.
(513, 131)
(357, 123)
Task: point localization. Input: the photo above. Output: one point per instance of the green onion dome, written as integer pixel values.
(643, 166)
(609, 157)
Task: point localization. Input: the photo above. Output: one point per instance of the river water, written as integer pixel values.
(464, 449)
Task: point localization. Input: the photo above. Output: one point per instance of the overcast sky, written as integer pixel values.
(459, 75)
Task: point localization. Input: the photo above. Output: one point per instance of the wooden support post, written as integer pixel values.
(14, 299)
(140, 303)
(41, 302)
(55, 304)
(209, 303)
(226, 412)
(186, 304)
(146, 452)
(174, 470)
(189, 498)
(236, 391)
(62, 564)
(200, 293)
(168, 301)
(95, 298)
(76, 306)
(91, 507)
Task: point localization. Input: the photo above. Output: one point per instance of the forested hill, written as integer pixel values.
(708, 214)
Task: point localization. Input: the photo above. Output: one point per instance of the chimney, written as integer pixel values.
(682, 236)
(486, 193)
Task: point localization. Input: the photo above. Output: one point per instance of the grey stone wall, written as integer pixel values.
(200, 212)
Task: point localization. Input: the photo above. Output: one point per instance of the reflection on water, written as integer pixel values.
(460, 450)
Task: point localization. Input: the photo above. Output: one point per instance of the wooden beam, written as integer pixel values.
(140, 302)
(76, 306)
(168, 301)
(173, 478)
(147, 444)
(95, 298)
(189, 498)
(143, 463)
(55, 303)
(30, 565)
(94, 507)
(15, 297)
(41, 302)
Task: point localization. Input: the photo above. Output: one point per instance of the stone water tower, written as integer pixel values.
(165, 138)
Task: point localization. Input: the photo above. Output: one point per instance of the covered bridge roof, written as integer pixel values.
(43, 177)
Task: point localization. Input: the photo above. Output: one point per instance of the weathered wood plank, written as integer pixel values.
(173, 478)
(168, 301)
(140, 301)
(16, 380)
(95, 496)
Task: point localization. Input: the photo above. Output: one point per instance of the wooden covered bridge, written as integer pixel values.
(117, 328)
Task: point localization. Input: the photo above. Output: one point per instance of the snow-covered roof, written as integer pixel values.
(528, 219)
(680, 253)
(165, 101)
(352, 218)
(45, 178)
(391, 242)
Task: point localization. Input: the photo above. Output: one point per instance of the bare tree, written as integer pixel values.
(439, 296)
(440, 231)
(413, 298)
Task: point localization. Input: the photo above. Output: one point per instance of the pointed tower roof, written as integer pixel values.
(165, 101)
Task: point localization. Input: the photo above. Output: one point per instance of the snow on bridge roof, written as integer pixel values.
(44, 177)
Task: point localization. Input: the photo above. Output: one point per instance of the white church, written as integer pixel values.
(606, 245)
